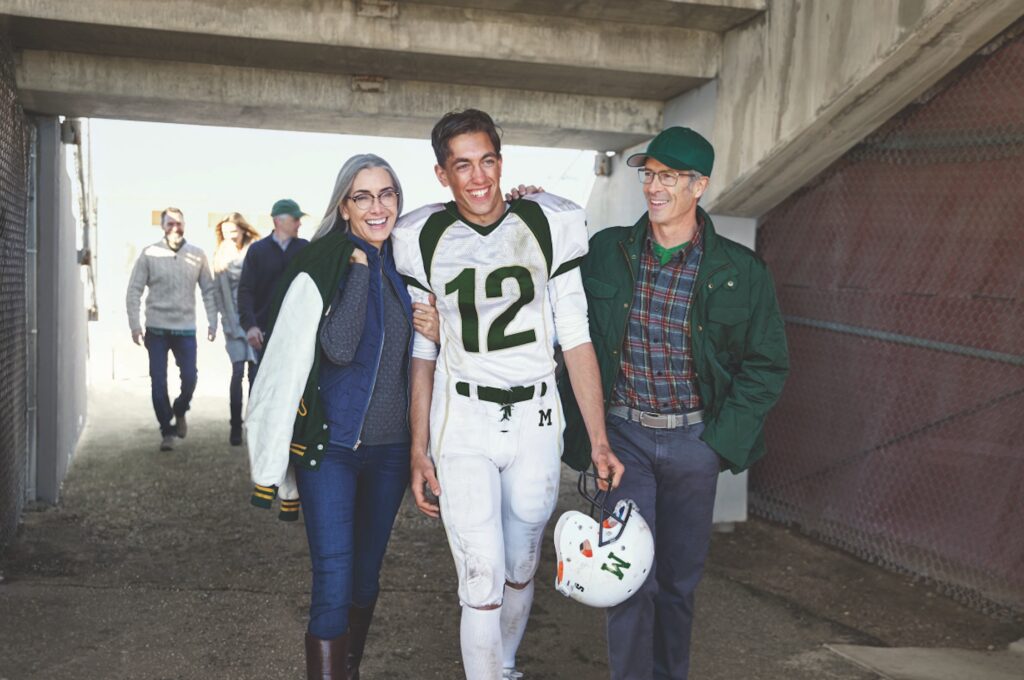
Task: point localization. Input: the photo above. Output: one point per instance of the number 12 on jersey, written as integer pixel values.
(465, 286)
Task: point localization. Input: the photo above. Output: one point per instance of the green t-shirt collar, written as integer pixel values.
(665, 254)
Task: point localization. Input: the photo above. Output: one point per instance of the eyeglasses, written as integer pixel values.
(364, 201)
(666, 177)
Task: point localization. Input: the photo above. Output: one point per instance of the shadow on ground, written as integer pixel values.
(154, 565)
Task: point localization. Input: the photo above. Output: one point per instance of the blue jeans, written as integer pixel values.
(183, 347)
(672, 475)
(350, 503)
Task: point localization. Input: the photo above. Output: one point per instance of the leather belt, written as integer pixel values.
(500, 395)
(659, 421)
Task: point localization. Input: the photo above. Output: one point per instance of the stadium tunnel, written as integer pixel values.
(871, 157)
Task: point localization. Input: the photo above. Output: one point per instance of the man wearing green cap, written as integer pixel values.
(263, 266)
(692, 352)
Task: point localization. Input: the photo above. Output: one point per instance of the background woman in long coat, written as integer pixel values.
(233, 234)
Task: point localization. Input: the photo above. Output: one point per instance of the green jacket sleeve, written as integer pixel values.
(736, 430)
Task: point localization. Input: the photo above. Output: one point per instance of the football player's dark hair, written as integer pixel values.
(455, 123)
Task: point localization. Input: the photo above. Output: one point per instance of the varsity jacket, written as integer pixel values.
(738, 339)
(285, 419)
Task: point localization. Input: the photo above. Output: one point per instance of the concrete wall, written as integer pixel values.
(61, 316)
(616, 199)
(801, 84)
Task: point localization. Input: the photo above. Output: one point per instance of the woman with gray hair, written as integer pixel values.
(343, 324)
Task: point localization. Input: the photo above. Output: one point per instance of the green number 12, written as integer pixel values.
(465, 285)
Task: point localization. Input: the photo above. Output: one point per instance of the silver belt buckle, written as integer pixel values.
(655, 421)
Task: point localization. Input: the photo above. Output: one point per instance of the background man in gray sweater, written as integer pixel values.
(171, 268)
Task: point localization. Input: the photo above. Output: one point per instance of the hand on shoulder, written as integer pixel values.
(523, 190)
(358, 257)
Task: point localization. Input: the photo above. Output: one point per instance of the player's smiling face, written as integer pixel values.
(473, 173)
(373, 223)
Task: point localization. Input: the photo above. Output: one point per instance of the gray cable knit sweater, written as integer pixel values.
(171, 277)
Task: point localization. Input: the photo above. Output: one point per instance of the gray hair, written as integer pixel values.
(694, 178)
(343, 185)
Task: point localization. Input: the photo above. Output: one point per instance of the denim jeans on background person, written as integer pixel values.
(183, 347)
(350, 503)
(672, 476)
(235, 390)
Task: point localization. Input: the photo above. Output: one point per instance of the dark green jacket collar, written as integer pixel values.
(714, 257)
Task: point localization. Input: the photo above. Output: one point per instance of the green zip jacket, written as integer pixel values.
(738, 339)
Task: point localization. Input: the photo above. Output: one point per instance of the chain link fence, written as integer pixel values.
(13, 357)
(900, 270)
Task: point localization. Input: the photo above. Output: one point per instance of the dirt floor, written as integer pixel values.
(154, 565)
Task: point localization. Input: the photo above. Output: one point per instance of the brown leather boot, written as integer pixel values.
(325, 659)
(358, 626)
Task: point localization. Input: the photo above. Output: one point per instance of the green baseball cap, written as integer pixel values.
(287, 206)
(679, 148)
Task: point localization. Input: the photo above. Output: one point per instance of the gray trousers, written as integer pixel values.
(672, 476)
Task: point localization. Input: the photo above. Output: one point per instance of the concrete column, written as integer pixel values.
(616, 199)
(694, 109)
(61, 404)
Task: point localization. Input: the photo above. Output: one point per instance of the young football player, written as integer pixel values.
(506, 278)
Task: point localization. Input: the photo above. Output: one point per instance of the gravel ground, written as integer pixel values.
(154, 565)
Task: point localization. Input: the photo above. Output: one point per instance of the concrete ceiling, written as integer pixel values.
(582, 73)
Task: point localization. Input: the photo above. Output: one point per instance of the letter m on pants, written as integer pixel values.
(545, 418)
(617, 566)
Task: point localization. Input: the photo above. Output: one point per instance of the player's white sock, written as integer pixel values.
(515, 611)
(480, 634)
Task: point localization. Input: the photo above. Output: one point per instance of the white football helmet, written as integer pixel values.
(602, 563)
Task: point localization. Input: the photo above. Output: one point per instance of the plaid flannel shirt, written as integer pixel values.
(656, 373)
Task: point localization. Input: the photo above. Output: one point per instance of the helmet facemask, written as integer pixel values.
(608, 521)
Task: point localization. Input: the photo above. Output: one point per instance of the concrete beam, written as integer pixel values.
(800, 87)
(408, 40)
(113, 87)
(717, 16)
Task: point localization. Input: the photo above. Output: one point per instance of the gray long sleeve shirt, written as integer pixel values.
(386, 419)
(171, 278)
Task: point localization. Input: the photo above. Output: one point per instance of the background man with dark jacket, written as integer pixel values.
(263, 266)
(692, 352)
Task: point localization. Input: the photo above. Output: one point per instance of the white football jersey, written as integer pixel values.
(491, 284)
